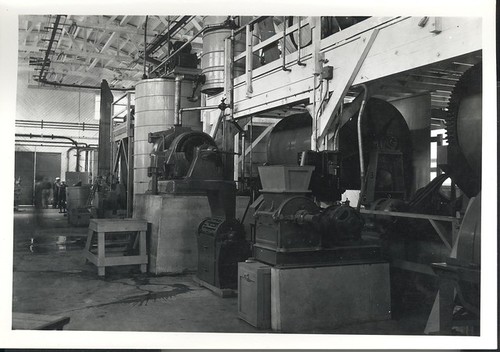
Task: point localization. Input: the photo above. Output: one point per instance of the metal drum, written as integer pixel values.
(154, 112)
(77, 197)
(383, 124)
(212, 59)
(289, 137)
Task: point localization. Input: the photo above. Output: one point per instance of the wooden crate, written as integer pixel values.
(320, 299)
(254, 294)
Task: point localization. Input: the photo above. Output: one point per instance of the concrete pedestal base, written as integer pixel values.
(173, 226)
(323, 298)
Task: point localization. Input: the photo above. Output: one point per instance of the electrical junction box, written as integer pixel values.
(254, 293)
(327, 72)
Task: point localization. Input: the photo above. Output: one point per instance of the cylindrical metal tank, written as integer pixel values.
(77, 197)
(289, 137)
(382, 124)
(154, 112)
(212, 59)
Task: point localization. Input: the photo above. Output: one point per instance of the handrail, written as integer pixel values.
(251, 23)
(273, 39)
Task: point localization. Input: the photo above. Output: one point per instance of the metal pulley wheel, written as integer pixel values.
(292, 205)
(188, 141)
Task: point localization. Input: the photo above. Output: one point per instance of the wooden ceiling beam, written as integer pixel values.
(93, 22)
(103, 49)
(124, 21)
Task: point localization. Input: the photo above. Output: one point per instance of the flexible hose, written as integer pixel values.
(360, 146)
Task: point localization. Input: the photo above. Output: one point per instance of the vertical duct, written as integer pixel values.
(104, 160)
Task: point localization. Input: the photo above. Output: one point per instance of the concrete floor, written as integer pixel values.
(51, 277)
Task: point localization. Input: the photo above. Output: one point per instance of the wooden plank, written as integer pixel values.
(143, 250)
(91, 257)
(260, 137)
(101, 249)
(117, 225)
(343, 83)
(442, 233)
(405, 46)
(408, 215)
(125, 260)
(28, 321)
(412, 266)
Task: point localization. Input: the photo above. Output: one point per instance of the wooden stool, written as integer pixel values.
(117, 227)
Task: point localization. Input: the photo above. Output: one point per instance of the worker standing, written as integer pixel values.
(55, 192)
(62, 197)
(17, 193)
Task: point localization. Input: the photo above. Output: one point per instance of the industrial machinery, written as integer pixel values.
(386, 153)
(77, 207)
(221, 245)
(174, 152)
(461, 160)
(291, 229)
(457, 263)
(188, 162)
(290, 226)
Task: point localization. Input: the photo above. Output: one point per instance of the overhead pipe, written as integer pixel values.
(49, 48)
(207, 27)
(44, 143)
(78, 150)
(79, 86)
(144, 76)
(177, 102)
(160, 40)
(196, 108)
(86, 161)
(57, 124)
(360, 146)
(229, 70)
(76, 146)
(30, 135)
